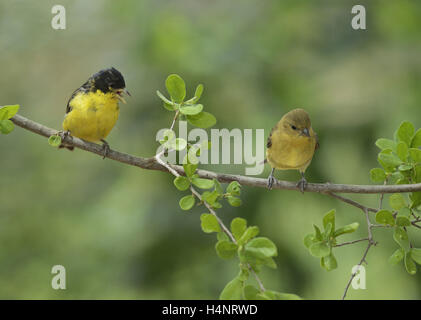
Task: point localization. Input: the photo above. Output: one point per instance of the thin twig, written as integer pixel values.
(351, 202)
(382, 196)
(370, 243)
(350, 242)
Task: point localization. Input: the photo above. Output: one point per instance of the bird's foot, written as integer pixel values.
(271, 180)
(302, 184)
(105, 148)
(64, 134)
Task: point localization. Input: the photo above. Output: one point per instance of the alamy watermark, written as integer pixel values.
(233, 146)
(358, 282)
(59, 279)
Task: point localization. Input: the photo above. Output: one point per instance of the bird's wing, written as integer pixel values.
(68, 107)
(84, 88)
(269, 141)
(317, 142)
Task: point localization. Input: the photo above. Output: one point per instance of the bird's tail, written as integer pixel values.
(263, 162)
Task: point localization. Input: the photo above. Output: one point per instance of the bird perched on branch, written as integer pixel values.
(291, 145)
(92, 110)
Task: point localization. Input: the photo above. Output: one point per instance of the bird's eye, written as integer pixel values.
(294, 127)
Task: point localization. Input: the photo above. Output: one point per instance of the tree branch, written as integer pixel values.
(153, 164)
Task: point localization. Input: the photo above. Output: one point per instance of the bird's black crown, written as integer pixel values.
(108, 78)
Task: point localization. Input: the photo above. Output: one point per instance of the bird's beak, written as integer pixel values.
(120, 95)
(306, 132)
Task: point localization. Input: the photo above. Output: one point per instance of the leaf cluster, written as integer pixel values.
(320, 244)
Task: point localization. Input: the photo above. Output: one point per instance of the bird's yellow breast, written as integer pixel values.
(92, 115)
(291, 152)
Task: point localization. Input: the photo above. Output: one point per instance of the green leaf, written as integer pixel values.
(286, 296)
(181, 183)
(397, 256)
(187, 202)
(402, 221)
(346, 229)
(405, 132)
(405, 167)
(210, 197)
(6, 126)
(401, 238)
(402, 151)
(167, 137)
(191, 109)
(226, 249)
(329, 218)
(176, 88)
(329, 262)
(8, 112)
(250, 233)
(269, 262)
(261, 248)
(209, 223)
(222, 236)
(234, 188)
(416, 255)
(405, 211)
(244, 273)
(233, 290)
(218, 187)
(415, 154)
(234, 201)
(250, 292)
(309, 239)
(403, 181)
(389, 159)
(198, 92)
(54, 140)
(386, 144)
(396, 201)
(377, 175)
(202, 120)
(318, 233)
(163, 98)
(202, 183)
(238, 227)
(328, 231)
(385, 217)
(416, 139)
(415, 199)
(169, 107)
(189, 169)
(178, 144)
(191, 157)
(410, 264)
(273, 295)
(320, 249)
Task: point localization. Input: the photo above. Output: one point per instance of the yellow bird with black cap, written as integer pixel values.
(93, 109)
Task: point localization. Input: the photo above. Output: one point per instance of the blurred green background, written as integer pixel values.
(117, 229)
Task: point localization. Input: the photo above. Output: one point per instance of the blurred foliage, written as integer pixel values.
(117, 229)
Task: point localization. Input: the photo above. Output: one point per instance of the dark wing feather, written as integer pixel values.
(269, 141)
(84, 88)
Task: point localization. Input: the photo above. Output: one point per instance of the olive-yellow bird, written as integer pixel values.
(92, 110)
(291, 145)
